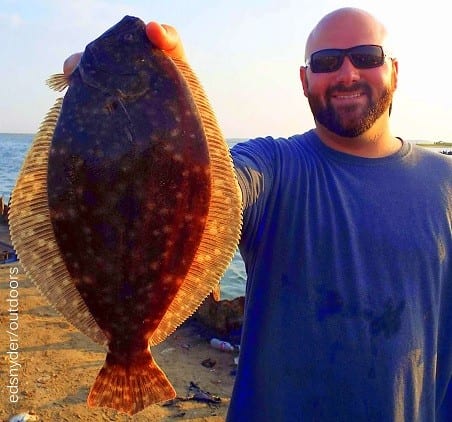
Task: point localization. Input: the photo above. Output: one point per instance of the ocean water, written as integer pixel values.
(13, 147)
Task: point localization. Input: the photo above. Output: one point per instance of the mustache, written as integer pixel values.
(342, 89)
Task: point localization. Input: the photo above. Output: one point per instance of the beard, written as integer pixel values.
(358, 122)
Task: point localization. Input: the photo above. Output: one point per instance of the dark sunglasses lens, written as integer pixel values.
(362, 57)
(326, 61)
(367, 56)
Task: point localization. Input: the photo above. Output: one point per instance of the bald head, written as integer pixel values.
(344, 28)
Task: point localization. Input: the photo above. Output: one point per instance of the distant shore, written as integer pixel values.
(439, 144)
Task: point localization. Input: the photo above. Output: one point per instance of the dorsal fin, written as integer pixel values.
(223, 225)
(58, 82)
(33, 238)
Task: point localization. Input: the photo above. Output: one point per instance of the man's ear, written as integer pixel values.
(304, 79)
(395, 72)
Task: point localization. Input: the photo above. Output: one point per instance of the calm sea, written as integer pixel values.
(13, 148)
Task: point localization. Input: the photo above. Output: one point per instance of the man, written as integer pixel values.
(347, 244)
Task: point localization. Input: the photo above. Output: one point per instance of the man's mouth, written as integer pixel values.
(347, 96)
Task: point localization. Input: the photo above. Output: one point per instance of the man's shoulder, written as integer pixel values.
(270, 144)
(423, 154)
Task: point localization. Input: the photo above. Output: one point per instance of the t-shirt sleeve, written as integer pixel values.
(254, 167)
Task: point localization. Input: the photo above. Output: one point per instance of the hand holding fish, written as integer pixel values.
(164, 37)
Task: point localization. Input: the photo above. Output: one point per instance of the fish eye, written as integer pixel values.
(129, 37)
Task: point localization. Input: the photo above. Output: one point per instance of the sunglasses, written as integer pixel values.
(362, 56)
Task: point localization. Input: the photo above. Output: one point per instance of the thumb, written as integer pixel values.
(71, 63)
(166, 38)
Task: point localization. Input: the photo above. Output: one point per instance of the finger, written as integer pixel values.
(71, 63)
(166, 38)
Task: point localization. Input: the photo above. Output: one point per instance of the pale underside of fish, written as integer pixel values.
(126, 211)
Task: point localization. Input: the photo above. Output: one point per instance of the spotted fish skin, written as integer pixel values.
(128, 193)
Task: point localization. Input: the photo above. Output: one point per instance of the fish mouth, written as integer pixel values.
(127, 25)
(117, 57)
(102, 53)
(94, 59)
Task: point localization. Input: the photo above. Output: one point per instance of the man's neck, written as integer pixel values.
(374, 143)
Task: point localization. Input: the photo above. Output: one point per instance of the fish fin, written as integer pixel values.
(221, 234)
(58, 82)
(216, 293)
(33, 237)
(130, 389)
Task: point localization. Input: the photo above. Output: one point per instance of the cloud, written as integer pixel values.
(13, 20)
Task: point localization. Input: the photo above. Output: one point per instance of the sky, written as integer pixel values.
(247, 54)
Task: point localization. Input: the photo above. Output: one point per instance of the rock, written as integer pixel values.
(224, 317)
(3, 211)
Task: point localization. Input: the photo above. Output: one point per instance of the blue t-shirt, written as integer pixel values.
(348, 312)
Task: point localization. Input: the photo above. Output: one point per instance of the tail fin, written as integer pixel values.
(130, 389)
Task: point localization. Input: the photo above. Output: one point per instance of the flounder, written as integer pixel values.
(127, 212)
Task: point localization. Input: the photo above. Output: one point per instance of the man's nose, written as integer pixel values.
(347, 73)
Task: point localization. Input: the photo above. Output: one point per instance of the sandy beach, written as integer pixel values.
(54, 364)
